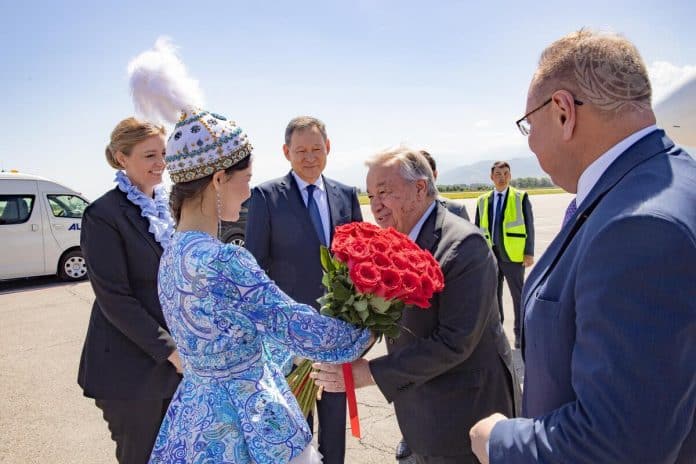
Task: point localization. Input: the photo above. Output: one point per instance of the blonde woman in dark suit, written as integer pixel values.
(129, 361)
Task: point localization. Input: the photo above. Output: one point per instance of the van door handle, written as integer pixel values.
(58, 226)
(34, 227)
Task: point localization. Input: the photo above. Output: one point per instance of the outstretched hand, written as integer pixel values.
(330, 376)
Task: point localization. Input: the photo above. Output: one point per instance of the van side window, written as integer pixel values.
(15, 209)
(67, 206)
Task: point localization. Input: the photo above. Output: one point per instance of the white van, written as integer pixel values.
(39, 228)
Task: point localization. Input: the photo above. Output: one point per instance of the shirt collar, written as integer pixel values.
(303, 185)
(413, 235)
(594, 171)
(504, 192)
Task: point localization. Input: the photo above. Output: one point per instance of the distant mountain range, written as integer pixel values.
(480, 172)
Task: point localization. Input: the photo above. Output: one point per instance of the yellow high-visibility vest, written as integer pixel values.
(514, 231)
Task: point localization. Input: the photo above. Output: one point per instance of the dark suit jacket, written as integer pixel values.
(528, 223)
(453, 365)
(280, 235)
(609, 331)
(127, 344)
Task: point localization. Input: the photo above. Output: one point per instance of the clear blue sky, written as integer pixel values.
(448, 76)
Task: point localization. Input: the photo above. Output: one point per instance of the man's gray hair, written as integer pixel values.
(413, 165)
(301, 123)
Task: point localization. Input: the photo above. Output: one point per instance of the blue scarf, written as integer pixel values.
(156, 210)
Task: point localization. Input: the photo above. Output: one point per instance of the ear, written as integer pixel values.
(218, 179)
(421, 187)
(328, 146)
(286, 151)
(564, 113)
(121, 158)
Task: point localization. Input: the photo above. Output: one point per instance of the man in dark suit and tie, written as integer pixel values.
(289, 219)
(505, 216)
(452, 361)
(610, 308)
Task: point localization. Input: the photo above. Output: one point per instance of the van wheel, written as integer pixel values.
(72, 266)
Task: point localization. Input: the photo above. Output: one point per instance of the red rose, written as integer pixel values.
(411, 283)
(420, 302)
(379, 244)
(365, 230)
(400, 261)
(381, 260)
(427, 287)
(438, 280)
(390, 286)
(416, 261)
(357, 250)
(365, 277)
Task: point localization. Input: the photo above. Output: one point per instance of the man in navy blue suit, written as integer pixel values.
(289, 219)
(610, 309)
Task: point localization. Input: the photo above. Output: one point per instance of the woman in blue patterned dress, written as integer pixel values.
(234, 328)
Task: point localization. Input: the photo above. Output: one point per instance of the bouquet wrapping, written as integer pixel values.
(370, 275)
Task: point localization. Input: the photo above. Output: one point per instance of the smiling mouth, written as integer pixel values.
(157, 173)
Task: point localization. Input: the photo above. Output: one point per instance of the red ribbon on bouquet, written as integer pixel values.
(350, 396)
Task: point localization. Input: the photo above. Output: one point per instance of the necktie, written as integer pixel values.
(570, 211)
(498, 219)
(314, 214)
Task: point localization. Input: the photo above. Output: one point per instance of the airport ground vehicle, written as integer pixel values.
(40, 228)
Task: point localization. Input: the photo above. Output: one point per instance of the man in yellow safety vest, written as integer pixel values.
(505, 217)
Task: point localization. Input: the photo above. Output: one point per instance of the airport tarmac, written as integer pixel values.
(45, 419)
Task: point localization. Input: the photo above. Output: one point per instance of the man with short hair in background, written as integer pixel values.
(453, 207)
(289, 219)
(505, 217)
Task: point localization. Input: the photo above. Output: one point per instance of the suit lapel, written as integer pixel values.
(291, 190)
(647, 147)
(132, 213)
(431, 232)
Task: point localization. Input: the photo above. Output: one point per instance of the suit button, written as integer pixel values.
(390, 340)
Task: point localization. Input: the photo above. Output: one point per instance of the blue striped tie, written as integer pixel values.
(314, 214)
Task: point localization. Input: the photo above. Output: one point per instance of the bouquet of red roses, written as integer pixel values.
(371, 276)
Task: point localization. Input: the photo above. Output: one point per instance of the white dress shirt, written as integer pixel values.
(594, 171)
(413, 235)
(320, 199)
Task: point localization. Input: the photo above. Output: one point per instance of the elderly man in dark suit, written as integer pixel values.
(289, 219)
(452, 362)
(610, 308)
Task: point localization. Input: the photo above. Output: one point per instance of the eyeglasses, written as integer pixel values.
(523, 124)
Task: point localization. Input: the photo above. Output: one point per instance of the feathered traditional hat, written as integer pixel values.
(201, 142)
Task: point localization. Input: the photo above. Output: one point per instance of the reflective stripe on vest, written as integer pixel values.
(514, 230)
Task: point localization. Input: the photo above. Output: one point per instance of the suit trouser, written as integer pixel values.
(513, 273)
(134, 425)
(331, 414)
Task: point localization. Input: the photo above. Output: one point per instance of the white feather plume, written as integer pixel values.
(160, 85)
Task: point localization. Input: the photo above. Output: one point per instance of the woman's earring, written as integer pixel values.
(219, 213)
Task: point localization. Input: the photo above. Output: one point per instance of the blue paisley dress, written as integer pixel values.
(235, 331)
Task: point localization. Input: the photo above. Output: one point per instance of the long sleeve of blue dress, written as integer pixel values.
(296, 327)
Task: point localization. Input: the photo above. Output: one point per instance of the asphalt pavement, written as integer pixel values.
(45, 419)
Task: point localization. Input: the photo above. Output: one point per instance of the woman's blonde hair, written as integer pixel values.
(127, 134)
